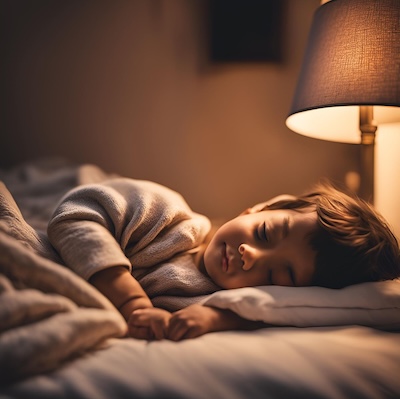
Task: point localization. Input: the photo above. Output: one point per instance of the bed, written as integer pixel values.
(60, 338)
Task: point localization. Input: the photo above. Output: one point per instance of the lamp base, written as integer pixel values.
(368, 130)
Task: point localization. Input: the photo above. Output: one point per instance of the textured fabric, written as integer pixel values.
(271, 363)
(48, 314)
(138, 224)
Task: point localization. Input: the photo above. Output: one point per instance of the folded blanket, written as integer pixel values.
(47, 313)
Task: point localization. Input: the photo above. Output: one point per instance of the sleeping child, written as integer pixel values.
(141, 245)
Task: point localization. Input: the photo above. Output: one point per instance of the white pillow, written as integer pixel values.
(375, 304)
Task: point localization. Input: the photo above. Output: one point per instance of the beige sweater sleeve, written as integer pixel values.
(132, 223)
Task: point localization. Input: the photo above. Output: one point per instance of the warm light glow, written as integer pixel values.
(351, 59)
(387, 174)
(339, 124)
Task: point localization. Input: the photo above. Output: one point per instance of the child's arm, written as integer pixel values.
(121, 288)
(196, 320)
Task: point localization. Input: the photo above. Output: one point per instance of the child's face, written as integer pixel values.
(263, 248)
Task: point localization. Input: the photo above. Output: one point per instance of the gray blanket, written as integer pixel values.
(48, 315)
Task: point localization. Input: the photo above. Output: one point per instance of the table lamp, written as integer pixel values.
(349, 84)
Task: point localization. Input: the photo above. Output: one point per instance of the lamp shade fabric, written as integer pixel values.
(352, 59)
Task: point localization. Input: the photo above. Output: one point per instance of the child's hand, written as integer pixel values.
(149, 323)
(193, 321)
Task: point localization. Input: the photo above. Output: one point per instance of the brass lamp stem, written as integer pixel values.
(367, 130)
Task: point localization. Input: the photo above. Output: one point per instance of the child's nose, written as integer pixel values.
(248, 255)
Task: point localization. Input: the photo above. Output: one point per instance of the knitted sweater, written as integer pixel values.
(138, 224)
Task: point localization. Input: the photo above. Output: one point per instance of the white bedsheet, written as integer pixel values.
(338, 362)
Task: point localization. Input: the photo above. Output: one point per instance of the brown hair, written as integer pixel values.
(353, 242)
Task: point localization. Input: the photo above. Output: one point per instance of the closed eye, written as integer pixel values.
(262, 232)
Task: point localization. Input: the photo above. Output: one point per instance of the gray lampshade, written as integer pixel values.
(352, 59)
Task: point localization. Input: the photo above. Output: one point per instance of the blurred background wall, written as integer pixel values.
(129, 85)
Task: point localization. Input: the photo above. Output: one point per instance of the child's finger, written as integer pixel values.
(159, 331)
(140, 332)
(139, 317)
(177, 329)
(156, 321)
(138, 326)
